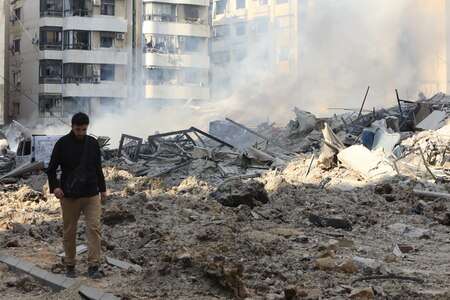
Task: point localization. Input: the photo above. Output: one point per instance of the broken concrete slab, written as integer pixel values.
(433, 121)
(410, 231)
(385, 141)
(123, 264)
(370, 164)
(80, 249)
(330, 222)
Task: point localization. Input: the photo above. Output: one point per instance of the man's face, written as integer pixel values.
(80, 131)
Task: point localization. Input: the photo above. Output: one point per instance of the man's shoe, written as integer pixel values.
(95, 273)
(70, 272)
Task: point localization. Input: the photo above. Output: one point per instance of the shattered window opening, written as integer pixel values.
(107, 7)
(221, 31)
(240, 28)
(50, 38)
(191, 13)
(220, 58)
(77, 39)
(107, 39)
(160, 12)
(107, 72)
(72, 105)
(50, 71)
(50, 106)
(81, 73)
(240, 4)
(80, 8)
(51, 8)
(221, 6)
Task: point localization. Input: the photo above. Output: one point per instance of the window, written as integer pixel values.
(221, 5)
(193, 76)
(72, 105)
(261, 25)
(241, 28)
(221, 31)
(160, 12)
(51, 8)
(190, 43)
(17, 14)
(50, 106)
(50, 38)
(16, 109)
(220, 58)
(191, 13)
(160, 76)
(50, 71)
(16, 45)
(240, 4)
(17, 79)
(160, 43)
(107, 39)
(107, 7)
(263, 2)
(81, 8)
(75, 39)
(81, 73)
(107, 72)
(282, 1)
(239, 54)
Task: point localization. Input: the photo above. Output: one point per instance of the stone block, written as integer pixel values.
(91, 293)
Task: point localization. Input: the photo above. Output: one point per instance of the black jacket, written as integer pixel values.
(67, 153)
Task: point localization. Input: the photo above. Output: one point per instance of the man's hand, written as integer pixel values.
(58, 193)
(103, 196)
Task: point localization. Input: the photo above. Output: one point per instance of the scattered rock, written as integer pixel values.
(116, 216)
(368, 265)
(348, 266)
(12, 244)
(410, 231)
(384, 188)
(362, 294)
(237, 192)
(330, 222)
(444, 219)
(325, 264)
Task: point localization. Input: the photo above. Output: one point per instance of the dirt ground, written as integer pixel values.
(192, 247)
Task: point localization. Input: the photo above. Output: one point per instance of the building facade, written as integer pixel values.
(250, 38)
(4, 81)
(67, 56)
(174, 52)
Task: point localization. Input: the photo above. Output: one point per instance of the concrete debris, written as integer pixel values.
(247, 211)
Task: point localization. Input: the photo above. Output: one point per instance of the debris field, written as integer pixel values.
(355, 206)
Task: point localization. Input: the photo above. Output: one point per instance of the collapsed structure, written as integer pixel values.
(352, 206)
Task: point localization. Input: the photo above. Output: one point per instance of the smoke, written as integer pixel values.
(342, 46)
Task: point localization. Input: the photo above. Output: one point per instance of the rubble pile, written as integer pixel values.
(348, 207)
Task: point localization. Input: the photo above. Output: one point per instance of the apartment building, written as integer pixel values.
(67, 56)
(250, 38)
(3, 60)
(175, 57)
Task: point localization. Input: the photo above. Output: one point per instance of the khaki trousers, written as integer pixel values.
(71, 211)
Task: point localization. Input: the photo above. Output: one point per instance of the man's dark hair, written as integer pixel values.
(80, 119)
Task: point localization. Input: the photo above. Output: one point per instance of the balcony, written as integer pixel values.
(191, 2)
(176, 92)
(177, 60)
(95, 23)
(50, 88)
(97, 56)
(173, 28)
(102, 89)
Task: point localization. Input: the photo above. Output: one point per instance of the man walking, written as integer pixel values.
(82, 180)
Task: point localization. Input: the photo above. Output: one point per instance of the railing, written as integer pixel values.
(78, 46)
(51, 46)
(78, 12)
(45, 80)
(81, 79)
(51, 13)
(172, 18)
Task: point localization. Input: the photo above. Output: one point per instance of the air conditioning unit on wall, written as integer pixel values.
(120, 36)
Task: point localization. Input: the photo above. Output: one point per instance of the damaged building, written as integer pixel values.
(253, 34)
(175, 53)
(67, 56)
